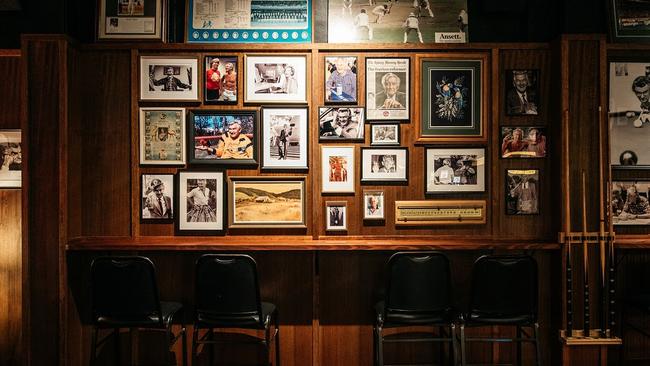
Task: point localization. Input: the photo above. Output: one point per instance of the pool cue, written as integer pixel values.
(601, 229)
(567, 230)
(611, 258)
(585, 259)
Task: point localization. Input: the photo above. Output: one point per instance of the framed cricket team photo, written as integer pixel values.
(157, 198)
(275, 79)
(285, 138)
(338, 167)
(162, 136)
(389, 164)
(336, 216)
(629, 115)
(12, 159)
(630, 202)
(388, 88)
(341, 79)
(131, 19)
(523, 142)
(341, 123)
(454, 170)
(522, 92)
(222, 137)
(201, 203)
(220, 82)
(373, 205)
(522, 191)
(263, 202)
(384, 134)
(169, 79)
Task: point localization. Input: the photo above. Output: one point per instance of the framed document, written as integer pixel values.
(248, 21)
(162, 136)
(130, 19)
(388, 88)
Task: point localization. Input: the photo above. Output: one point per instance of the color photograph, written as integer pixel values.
(522, 192)
(337, 169)
(341, 79)
(455, 170)
(222, 137)
(523, 142)
(220, 86)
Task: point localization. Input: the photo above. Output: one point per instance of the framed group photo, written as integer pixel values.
(222, 137)
(162, 136)
(201, 203)
(630, 202)
(523, 142)
(522, 191)
(131, 19)
(336, 216)
(171, 78)
(220, 84)
(389, 164)
(388, 88)
(275, 79)
(285, 138)
(341, 79)
(455, 170)
(341, 123)
(157, 198)
(338, 166)
(12, 159)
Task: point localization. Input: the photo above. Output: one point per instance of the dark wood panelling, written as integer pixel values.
(10, 101)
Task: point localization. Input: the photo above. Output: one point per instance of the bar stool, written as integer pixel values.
(504, 293)
(418, 292)
(125, 295)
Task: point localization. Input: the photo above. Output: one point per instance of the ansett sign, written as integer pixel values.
(450, 37)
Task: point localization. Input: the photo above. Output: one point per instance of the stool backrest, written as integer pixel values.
(418, 282)
(124, 289)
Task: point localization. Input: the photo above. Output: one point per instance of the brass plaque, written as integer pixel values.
(424, 213)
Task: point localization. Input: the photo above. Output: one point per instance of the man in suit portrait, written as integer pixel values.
(157, 204)
(521, 98)
(390, 97)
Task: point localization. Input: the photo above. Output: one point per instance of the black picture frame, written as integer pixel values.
(618, 31)
(380, 176)
(511, 206)
(143, 200)
(223, 59)
(386, 115)
(513, 103)
(542, 142)
(329, 133)
(179, 213)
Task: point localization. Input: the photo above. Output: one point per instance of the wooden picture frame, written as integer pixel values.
(336, 216)
(200, 204)
(341, 123)
(337, 169)
(162, 136)
(341, 87)
(454, 170)
(169, 78)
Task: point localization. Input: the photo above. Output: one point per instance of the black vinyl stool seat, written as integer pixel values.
(125, 295)
(504, 293)
(228, 296)
(418, 292)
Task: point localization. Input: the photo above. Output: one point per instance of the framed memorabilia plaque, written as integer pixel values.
(336, 216)
(220, 84)
(157, 198)
(443, 212)
(275, 79)
(130, 19)
(201, 203)
(630, 202)
(388, 88)
(455, 170)
(169, 78)
(338, 168)
(12, 159)
(341, 123)
(389, 164)
(162, 136)
(285, 138)
(249, 21)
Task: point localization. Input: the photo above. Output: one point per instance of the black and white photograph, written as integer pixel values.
(169, 78)
(162, 136)
(341, 79)
(629, 114)
(522, 192)
(387, 88)
(201, 202)
(630, 202)
(523, 142)
(130, 19)
(220, 85)
(157, 197)
(373, 205)
(275, 79)
(522, 92)
(336, 213)
(341, 123)
(12, 159)
(284, 138)
(384, 134)
(388, 164)
(455, 170)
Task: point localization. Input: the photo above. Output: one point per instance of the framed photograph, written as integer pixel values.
(389, 164)
(384, 134)
(262, 202)
(630, 202)
(522, 192)
(341, 123)
(275, 79)
(130, 19)
(388, 88)
(337, 169)
(455, 170)
(336, 216)
(285, 138)
(523, 142)
(257, 21)
(167, 79)
(341, 79)
(628, 21)
(157, 198)
(373, 205)
(629, 114)
(522, 95)
(12, 159)
(220, 85)
(222, 137)
(397, 21)
(452, 97)
(162, 136)
(201, 203)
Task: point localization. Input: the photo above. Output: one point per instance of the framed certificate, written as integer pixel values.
(130, 19)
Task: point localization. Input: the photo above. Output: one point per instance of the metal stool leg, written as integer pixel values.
(195, 345)
(463, 356)
(184, 340)
(211, 347)
(93, 351)
(118, 356)
(518, 345)
(380, 347)
(454, 346)
(277, 344)
(538, 350)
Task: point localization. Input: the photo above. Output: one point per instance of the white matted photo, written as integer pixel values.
(169, 78)
(337, 169)
(373, 205)
(384, 134)
(157, 197)
(275, 79)
(336, 216)
(455, 170)
(284, 137)
(201, 203)
(387, 88)
(630, 202)
(384, 165)
(12, 159)
(162, 136)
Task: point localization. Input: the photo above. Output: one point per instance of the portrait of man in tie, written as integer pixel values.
(522, 95)
(157, 203)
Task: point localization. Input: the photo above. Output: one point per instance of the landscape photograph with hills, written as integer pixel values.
(268, 202)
